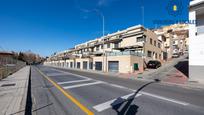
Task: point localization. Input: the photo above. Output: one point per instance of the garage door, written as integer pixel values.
(98, 66)
(113, 66)
(78, 65)
(85, 65)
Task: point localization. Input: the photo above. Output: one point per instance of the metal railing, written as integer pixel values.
(124, 53)
(9, 68)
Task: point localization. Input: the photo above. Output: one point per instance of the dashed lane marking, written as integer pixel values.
(75, 81)
(82, 85)
(72, 74)
(55, 74)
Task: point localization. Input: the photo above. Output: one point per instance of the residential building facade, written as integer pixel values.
(196, 35)
(125, 51)
(174, 39)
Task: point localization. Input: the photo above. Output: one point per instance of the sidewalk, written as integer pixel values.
(13, 92)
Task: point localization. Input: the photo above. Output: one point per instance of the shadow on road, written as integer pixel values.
(182, 66)
(124, 107)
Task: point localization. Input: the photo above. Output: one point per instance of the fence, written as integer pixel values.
(9, 67)
(139, 54)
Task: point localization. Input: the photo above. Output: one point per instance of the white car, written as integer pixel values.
(175, 55)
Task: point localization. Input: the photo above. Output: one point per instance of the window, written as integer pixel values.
(155, 42)
(92, 49)
(102, 46)
(199, 23)
(140, 39)
(150, 40)
(159, 45)
(149, 53)
(116, 45)
(108, 45)
(156, 55)
(97, 48)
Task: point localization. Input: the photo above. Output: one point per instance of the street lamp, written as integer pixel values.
(103, 19)
(142, 10)
(103, 32)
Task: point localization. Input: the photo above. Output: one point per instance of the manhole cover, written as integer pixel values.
(9, 84)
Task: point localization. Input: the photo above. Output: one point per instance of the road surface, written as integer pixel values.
(68, 92)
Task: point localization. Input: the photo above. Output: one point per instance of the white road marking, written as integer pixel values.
(109, 104)
(141, 92)
(55, 74)
(166, 99)
(81, 85)
(72, 74)
(75, 81)
(119, 86)
(152, 95)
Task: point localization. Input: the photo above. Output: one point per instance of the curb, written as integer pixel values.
(28, 106)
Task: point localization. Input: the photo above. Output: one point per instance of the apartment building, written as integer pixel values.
(125, 51)
(166, 46)
(196, 35)
(174, 39)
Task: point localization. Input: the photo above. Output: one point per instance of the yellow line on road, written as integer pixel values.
(74, 100)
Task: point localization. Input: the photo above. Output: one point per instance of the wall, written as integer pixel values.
(151, 47)
(81, 60)
(125, 62)
(196, 51)
(129, 41)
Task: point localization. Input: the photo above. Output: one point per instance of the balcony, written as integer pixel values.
(124, 53)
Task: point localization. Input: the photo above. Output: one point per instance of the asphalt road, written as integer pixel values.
(104, 95)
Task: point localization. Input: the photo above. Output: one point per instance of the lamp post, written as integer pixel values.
(103, 32)
(142, 10)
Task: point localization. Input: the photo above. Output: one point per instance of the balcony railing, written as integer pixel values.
(200, 30)
(125, 53)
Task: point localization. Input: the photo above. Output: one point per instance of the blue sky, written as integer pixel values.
(47, 26)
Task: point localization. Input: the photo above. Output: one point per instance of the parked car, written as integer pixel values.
(175, 55)
(153, 64)
(186, 52)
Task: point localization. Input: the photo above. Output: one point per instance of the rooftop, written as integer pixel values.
(196, 2)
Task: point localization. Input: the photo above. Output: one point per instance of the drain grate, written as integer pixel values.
(9, 84)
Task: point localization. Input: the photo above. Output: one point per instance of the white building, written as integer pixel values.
(196, 40)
